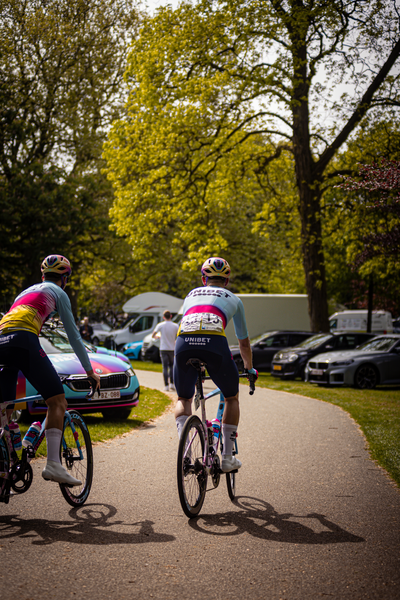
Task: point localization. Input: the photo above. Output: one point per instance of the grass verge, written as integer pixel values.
(376, 411)
(143, 365)
(152, 404)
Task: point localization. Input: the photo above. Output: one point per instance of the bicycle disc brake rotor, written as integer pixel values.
(21, 477)
(216, 471)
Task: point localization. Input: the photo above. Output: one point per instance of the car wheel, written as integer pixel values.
(366, 377)
(116, 414)
(239, 363)
(96, 341)
(153, 354)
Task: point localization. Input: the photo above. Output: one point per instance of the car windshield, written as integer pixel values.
(55, 341)
(314, 341)
(264, 336)
(378, 344)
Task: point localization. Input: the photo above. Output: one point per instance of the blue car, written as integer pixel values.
(132, 350)
(119, 391)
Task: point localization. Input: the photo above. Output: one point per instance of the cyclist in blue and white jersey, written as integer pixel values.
(206, 313)
(20, 350)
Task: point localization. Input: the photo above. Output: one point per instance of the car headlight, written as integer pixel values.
(130, 372)
(292, 357)
(340, 363)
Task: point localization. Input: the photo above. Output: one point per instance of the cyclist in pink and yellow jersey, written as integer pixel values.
(20, 350)
(206, 312)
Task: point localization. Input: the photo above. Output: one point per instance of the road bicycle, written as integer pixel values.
(198, 448)
(75, 452)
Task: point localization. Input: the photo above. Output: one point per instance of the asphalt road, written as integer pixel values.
(314, 517)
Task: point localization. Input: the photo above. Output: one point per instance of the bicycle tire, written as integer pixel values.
(231, 484)
(192, 476)
(4, 466)
(80, 468)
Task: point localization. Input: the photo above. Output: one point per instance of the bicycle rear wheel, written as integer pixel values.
(77, 458)
(192, 475)
(231, 483)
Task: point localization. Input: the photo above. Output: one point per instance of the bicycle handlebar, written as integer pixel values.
(93, 389)
(92, 383)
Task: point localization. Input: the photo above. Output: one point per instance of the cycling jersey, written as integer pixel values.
(209, 309)
(206, 313)
(33, 307)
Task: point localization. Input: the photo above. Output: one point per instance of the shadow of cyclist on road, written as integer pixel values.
(89, 527)
(261, 520)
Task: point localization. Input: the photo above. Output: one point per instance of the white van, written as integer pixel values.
(147, 310)
(356, 321)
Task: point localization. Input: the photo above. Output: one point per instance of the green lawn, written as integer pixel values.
(151, 405)
(376, 411)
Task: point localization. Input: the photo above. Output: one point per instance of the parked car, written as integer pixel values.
(102, 350)
(151, 348)
(119, 385)
(291, 362)
(100, 333)
(377, 361)
(265, 346)
(396, 325)
(132, 350)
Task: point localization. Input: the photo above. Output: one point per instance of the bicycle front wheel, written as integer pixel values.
(4, 471)
(77, 458)
(192, 475)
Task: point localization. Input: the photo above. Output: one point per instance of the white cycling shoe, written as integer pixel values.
(230, 463)
(54, 471)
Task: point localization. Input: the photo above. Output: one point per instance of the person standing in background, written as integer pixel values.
(86, 330)
(168, 331)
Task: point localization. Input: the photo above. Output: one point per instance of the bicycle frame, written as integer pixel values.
(28, 453)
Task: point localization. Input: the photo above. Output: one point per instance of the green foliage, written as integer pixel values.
(348, 220)
(62, 64)
(219, 90)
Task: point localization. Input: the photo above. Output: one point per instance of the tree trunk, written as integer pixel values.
(309, 198)
(313, 259)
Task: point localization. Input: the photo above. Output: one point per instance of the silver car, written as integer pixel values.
(376, 362)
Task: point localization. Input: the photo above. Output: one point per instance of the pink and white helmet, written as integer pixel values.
(216, 267)
(55, 263)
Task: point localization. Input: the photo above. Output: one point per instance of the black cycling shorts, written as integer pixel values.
(21, 351)
(214, 351)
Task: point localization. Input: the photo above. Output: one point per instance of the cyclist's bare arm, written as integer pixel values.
(245, 352)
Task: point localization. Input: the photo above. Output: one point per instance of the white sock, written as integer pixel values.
(229, 437)
(180, 423)
(53, 440)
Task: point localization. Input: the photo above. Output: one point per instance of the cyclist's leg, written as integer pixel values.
(39, 371)
(227, 379)
(185, 381)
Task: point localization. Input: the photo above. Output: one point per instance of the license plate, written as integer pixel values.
(277, 367)
(316, 372)
(109, 395)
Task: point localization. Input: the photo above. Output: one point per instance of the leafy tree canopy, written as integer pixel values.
(61, 69)
(217, 90)
(361, 218)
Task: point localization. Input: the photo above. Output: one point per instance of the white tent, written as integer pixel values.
(152, 302)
